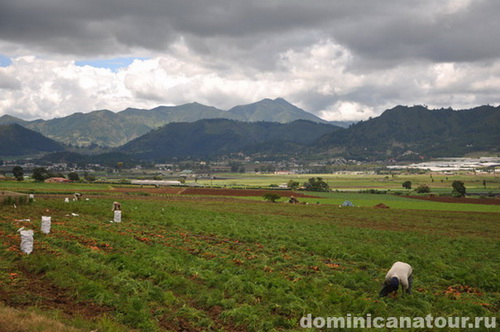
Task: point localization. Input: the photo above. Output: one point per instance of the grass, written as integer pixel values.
(208, 263)
(392, 201)
(28, 321)
(437, 182)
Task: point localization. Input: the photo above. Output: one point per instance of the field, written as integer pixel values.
(440, 183)
(190, 260)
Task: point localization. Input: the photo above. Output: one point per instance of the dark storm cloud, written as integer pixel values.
(376, 30)
(398, 30)
(328, 56)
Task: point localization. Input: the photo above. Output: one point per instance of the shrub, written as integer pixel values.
(272, 197)
(459, 189)
(423, 189)
(316, 184)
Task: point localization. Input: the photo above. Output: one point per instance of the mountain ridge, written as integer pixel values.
(418, 130)
(112, 129)
(401, 133)
(213, 137)
(19, 141)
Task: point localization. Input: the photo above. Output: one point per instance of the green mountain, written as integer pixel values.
(402, 132)
(106, 128)
(418, 131)
(16, 140)
(212, 137)
(162, 115)
(103, 127)
(8, 119)
(277, 110)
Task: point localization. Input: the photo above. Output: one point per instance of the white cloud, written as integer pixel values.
(319, 78)
(332, 58)
(347, 111)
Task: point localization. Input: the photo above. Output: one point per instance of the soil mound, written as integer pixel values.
(381, 206)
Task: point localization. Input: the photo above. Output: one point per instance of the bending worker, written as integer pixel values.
(399, 274)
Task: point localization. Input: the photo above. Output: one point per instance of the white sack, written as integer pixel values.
(45, 225)
(26, 241)
(66, 200)
(118, 216)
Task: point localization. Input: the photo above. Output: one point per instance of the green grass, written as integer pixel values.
(437, 182)
(206, 263)
(34, 187)
(392, 201)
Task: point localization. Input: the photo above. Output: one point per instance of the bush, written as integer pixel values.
(423, 189)
(19, 200)
(73, 176)
(272, 197)
(459, 189)
(316, 184)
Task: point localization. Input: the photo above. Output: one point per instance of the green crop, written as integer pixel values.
(216, 263)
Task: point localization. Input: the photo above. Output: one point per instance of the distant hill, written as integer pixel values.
(103, 127)
(8, 119)
(176, 131)
(109, 129)
(277, 110)
(16, 140)
(162, 115)
(342, 124)
(212, 137)
(419, 131)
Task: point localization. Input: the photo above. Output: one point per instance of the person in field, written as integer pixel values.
(399, 274)
(116, 206)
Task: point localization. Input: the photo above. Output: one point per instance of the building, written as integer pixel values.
(56, 180)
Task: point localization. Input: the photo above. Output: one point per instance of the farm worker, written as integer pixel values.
(77, 196)
(117, 211)
(116, 206)
(400, 273)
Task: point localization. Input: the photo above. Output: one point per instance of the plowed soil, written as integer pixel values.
(210, 191)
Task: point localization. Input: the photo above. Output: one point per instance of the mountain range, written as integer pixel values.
(213, 137)
(399, 133)
(110, 129)
(418, 130)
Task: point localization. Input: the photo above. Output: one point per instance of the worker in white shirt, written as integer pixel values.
(399, 274)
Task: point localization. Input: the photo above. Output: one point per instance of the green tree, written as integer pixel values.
(407, 184)
(40, 174)
(235, 166)
(423, 189)
(459, 189)
(18, 173)
(88, 177)
(294, 185)
(73, 176)
(316, 184)
(272, 197)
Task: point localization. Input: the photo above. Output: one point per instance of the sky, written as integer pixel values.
(340, 60)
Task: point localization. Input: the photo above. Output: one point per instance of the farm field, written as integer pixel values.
(196, 261)
(437, 182)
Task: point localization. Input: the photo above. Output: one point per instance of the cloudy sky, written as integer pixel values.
(341, 60)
